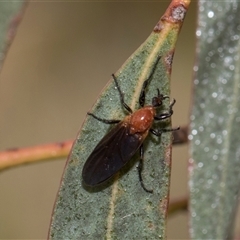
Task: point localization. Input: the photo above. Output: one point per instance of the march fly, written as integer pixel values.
(121, 143)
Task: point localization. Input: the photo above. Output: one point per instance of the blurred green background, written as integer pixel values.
(62, 57)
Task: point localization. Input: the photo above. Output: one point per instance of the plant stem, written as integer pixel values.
(18, 156)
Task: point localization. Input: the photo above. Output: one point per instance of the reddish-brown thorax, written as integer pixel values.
(141, 120)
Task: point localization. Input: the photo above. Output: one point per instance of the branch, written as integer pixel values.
(18, 156)
(181, 136)
(180, 204)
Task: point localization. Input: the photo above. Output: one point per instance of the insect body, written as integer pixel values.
(123, 141)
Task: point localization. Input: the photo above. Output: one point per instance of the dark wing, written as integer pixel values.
(111, 154)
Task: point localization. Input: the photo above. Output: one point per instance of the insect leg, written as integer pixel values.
(166, 115)
(121, 95)
(140, 168)
(145, 84)
(159, 132)
(112, 121)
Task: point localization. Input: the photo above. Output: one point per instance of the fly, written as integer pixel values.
(121, 143)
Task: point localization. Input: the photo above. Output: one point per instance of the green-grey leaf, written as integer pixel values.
(121, 209)
(215, 122)
(8, 10)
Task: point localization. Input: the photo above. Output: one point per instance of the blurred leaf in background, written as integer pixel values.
(215, 122)
(10, 16)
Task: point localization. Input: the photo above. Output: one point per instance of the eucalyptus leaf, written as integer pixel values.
(9, 19)
(121, 209)
(215, 121)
